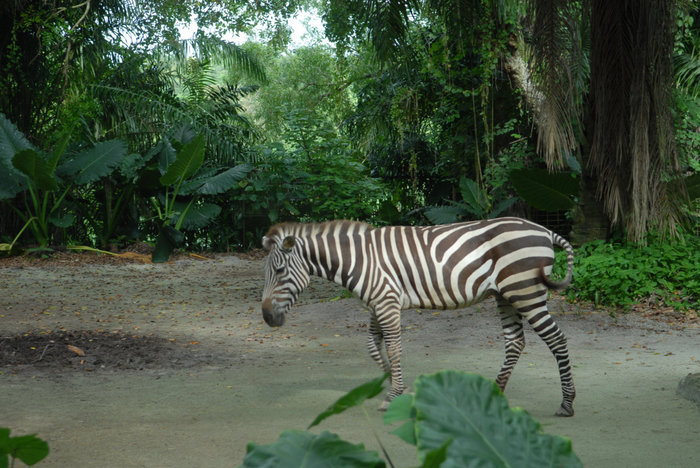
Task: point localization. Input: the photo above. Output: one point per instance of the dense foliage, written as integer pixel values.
(620, 273)
(400, 112)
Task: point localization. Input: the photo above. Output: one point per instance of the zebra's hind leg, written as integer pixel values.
(515, 340)
(375, 340)
(544, 325)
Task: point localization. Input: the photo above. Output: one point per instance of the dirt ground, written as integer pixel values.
(118, 363)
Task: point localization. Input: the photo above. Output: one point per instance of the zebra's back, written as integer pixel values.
(455, 265)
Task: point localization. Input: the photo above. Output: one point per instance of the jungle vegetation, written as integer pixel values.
(581, 115)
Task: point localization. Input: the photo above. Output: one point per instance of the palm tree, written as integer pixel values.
(612, 107)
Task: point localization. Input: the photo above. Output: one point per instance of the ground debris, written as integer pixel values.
(95, 350)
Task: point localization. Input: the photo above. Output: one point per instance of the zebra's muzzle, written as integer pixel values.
(271, 315)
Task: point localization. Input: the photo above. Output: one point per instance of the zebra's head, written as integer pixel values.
(285, 277)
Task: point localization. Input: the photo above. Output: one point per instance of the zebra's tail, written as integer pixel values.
(563, 284)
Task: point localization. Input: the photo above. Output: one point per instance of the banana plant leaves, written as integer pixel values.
(188, 161)
(299, 449)
(94, 163)
(198, 215)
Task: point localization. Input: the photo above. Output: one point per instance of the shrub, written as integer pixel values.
(620, 274)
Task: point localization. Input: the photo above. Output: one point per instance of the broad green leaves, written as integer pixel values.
(455, 419)
(188, 161)
(95, 163)
(475, 204)
(473, 414)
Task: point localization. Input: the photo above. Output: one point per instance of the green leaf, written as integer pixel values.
(11, 182)
(473, 412)
(94, 163)
(444, 214)
(435, 458)
(131, 164)
(29, 449)
(224, 181)
(199, 215)
(31, 164)
(189, 159)
(473, 196)
(545, 191)
(502, 206)
(299, 449)
(353, 398)
(12, 141)
(62, 221)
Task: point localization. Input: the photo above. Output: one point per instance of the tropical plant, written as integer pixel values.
(454, 419)
(46, 179)
(475, 204)
(180, 160)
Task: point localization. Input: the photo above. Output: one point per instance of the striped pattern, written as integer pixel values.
(435, 267)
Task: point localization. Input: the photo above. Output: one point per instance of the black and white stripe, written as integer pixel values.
(436, 267)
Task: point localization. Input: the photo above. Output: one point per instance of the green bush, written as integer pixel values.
(620, 274)
(455, 419)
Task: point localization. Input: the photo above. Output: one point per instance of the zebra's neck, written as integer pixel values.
(334, 250)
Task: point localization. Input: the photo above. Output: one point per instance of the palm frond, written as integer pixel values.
(687, 68)
(555, 41)
(208, 48)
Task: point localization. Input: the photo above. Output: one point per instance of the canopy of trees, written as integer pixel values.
(115, 129)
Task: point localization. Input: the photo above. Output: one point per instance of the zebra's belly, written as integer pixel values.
(412, 300)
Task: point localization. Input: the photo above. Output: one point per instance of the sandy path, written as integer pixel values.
(247, 382)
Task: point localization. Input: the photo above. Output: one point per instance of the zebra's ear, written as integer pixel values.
(288, 243)
(267, 243)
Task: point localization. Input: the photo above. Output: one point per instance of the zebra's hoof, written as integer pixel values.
(565, 412)
(384, 405)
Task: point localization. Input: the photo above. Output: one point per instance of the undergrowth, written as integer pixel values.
(621, 274)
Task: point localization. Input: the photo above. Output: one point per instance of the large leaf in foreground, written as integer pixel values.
(299, 449)
(29, 449)
(473, 412)
(94, 163)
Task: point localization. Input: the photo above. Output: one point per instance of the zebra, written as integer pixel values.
(432, 267)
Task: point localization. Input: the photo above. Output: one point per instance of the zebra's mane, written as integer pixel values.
(311, 229)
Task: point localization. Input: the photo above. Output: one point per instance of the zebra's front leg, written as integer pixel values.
(390, 323)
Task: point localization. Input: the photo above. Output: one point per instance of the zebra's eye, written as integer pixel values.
(279, 270)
